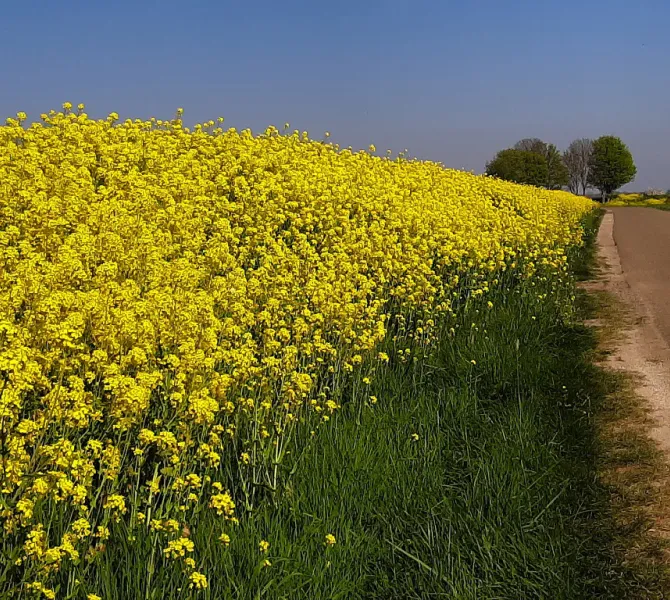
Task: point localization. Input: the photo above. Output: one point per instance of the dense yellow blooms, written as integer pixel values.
(638, 200)
(173, 299)
(624, 198)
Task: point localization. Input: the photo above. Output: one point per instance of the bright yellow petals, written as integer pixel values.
(174, 304)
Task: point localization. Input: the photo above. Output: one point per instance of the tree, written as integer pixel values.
(577, 159)
(557, 173)
(519, 166)
(535, 145)
(611, 165)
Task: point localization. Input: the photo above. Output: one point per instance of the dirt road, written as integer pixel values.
(634, 428)
(634, 249)
(642, 236)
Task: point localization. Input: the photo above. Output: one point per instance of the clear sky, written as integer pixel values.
(450, 80)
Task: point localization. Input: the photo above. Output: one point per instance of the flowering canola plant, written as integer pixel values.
(175, 302)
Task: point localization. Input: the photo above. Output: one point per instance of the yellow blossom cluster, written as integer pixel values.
(173, 302)
(633, 199)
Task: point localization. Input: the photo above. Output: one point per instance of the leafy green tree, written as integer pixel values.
(611, 165)
(558, 175)
(557, 172)
(519, 166)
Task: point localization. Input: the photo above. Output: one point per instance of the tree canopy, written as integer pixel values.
(557, 172)
(605, 164)
(531, 161)
(519, 166)
(535, 145)
(611, 165)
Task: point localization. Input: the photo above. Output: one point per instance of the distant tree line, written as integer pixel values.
(605, 164)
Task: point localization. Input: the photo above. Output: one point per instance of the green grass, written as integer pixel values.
(499, 497)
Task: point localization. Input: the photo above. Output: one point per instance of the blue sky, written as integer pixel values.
(452, 81)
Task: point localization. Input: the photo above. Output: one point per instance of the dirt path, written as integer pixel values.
(634, 249)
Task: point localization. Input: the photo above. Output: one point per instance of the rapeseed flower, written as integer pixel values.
(167, 295)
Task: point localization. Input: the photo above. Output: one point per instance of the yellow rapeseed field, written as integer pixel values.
(174, 303)
(638, 200)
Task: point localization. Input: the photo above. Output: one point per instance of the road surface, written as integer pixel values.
(642, 236)
(634, 255)
(633, 249)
